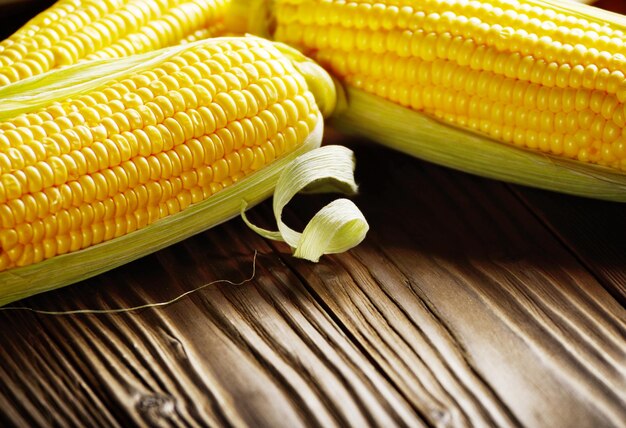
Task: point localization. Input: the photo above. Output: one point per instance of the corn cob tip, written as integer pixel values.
(325, 88)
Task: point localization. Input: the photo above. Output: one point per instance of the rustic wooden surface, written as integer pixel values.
(470, 303)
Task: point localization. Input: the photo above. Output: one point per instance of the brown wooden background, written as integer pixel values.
(471, 303)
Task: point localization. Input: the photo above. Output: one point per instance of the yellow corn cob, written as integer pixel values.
(104, 149)
(516, 72)
(75, 30)
(540, 75)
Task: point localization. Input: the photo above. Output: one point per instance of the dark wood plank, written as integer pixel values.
(260, 354)
(471, 306)
(592, 230)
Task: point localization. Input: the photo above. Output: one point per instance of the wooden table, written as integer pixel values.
(470, 303)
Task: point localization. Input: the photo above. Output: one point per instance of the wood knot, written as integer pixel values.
(156, 408)
(441, 418)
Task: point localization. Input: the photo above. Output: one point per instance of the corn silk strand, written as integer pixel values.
(135, 308)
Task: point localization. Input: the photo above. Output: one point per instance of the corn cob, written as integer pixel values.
(74, 30)
(547, 77)
(105, 161)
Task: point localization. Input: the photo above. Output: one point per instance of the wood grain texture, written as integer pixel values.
(462, 279)
(461, 308)
(591, 238)
(260, 354)
(471, 303)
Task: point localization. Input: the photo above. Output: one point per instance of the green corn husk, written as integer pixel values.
(61, 270)
(426, 138)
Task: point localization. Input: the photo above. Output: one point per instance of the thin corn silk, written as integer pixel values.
(338, 226)
(113, 311)
(421, 136)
